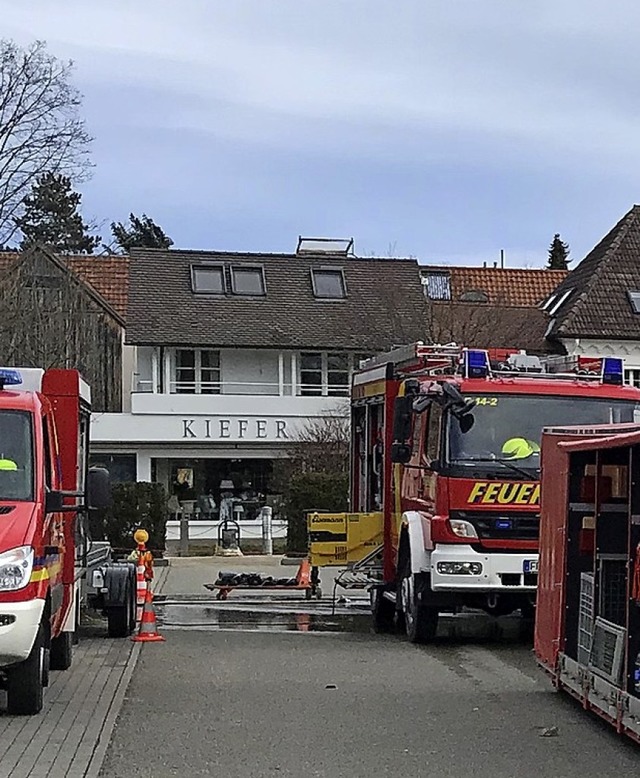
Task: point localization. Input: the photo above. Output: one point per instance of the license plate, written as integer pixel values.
(530, 566)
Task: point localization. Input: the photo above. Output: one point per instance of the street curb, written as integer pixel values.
(291, 560)
(100, 751)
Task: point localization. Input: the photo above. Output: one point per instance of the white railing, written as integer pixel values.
(146, 386)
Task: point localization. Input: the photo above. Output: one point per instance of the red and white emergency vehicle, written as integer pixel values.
(46, 491)
(587, 632)
(445, 445)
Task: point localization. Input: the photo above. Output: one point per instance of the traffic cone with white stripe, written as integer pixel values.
(141, 589)
(148, 632)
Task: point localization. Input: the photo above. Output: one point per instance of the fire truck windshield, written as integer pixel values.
(16, 456)
(507, 428)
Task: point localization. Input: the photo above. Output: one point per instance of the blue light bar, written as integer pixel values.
(612, 371)
(9, 377)
(504, 524)
(476, 364)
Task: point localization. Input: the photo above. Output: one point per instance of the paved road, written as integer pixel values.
(252, 704)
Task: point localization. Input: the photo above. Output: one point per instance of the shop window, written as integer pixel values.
(197, 371)
(248, 280)
(122, 467)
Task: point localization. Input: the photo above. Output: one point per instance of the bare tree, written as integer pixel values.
(322, 444)
(41, 130)
(48, 318)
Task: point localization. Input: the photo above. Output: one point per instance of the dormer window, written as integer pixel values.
(328, 283)
(208, 279)
(634, 299)
(248, 280)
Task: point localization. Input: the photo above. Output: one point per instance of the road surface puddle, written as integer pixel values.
(186, 612)
(256, 619)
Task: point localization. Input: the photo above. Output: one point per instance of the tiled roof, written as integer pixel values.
(385, 304)
(497, 286)
(490, 326)
(108, 276)
(596, 303)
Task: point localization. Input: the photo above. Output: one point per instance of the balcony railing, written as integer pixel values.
(146, 386)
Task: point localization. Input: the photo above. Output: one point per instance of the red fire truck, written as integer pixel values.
(445, 450)
(46, 490)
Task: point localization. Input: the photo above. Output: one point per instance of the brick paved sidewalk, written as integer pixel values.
(70, 737)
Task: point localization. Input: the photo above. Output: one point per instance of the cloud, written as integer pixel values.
(518, 112)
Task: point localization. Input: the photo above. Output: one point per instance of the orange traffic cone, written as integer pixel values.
(148, 627)
(303, 577)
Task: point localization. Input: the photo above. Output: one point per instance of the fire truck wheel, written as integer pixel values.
(383, 612)
(421, 621)
(25, 687)
(62, 651)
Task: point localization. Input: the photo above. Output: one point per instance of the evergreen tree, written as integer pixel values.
(51, 217)
(558, 254)
(142, 232)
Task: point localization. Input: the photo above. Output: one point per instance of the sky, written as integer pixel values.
(441, 129)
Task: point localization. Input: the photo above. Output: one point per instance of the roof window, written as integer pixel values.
(549, 301)
(248, 280)
(341, 247)
(437, 285)
(208, 279)
(552, 309)
(634, 299)
(328, 283)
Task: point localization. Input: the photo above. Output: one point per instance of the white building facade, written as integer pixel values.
(232, 358)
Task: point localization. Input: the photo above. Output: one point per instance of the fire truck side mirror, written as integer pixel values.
(402, 418)
(98, 488)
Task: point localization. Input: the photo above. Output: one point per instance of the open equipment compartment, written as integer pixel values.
(588, 613)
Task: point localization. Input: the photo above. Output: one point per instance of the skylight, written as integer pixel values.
(328, 283)
(207, 279)
(548, 302)
(559, 302)
(336, 246)
(438, 286)
(248, 280)
(634, 299)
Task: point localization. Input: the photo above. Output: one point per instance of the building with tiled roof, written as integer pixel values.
(489, 307)
(53, 318)
(490, 285)
(236, 354)
(106, 275)
(595, 311)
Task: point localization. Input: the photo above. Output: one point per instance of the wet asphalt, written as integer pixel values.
(278, 687)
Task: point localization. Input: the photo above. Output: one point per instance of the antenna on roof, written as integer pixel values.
(502, 258)
(337, 247)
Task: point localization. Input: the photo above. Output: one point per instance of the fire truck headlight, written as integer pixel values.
(463, 529)
(15, 568)
(460, 568)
